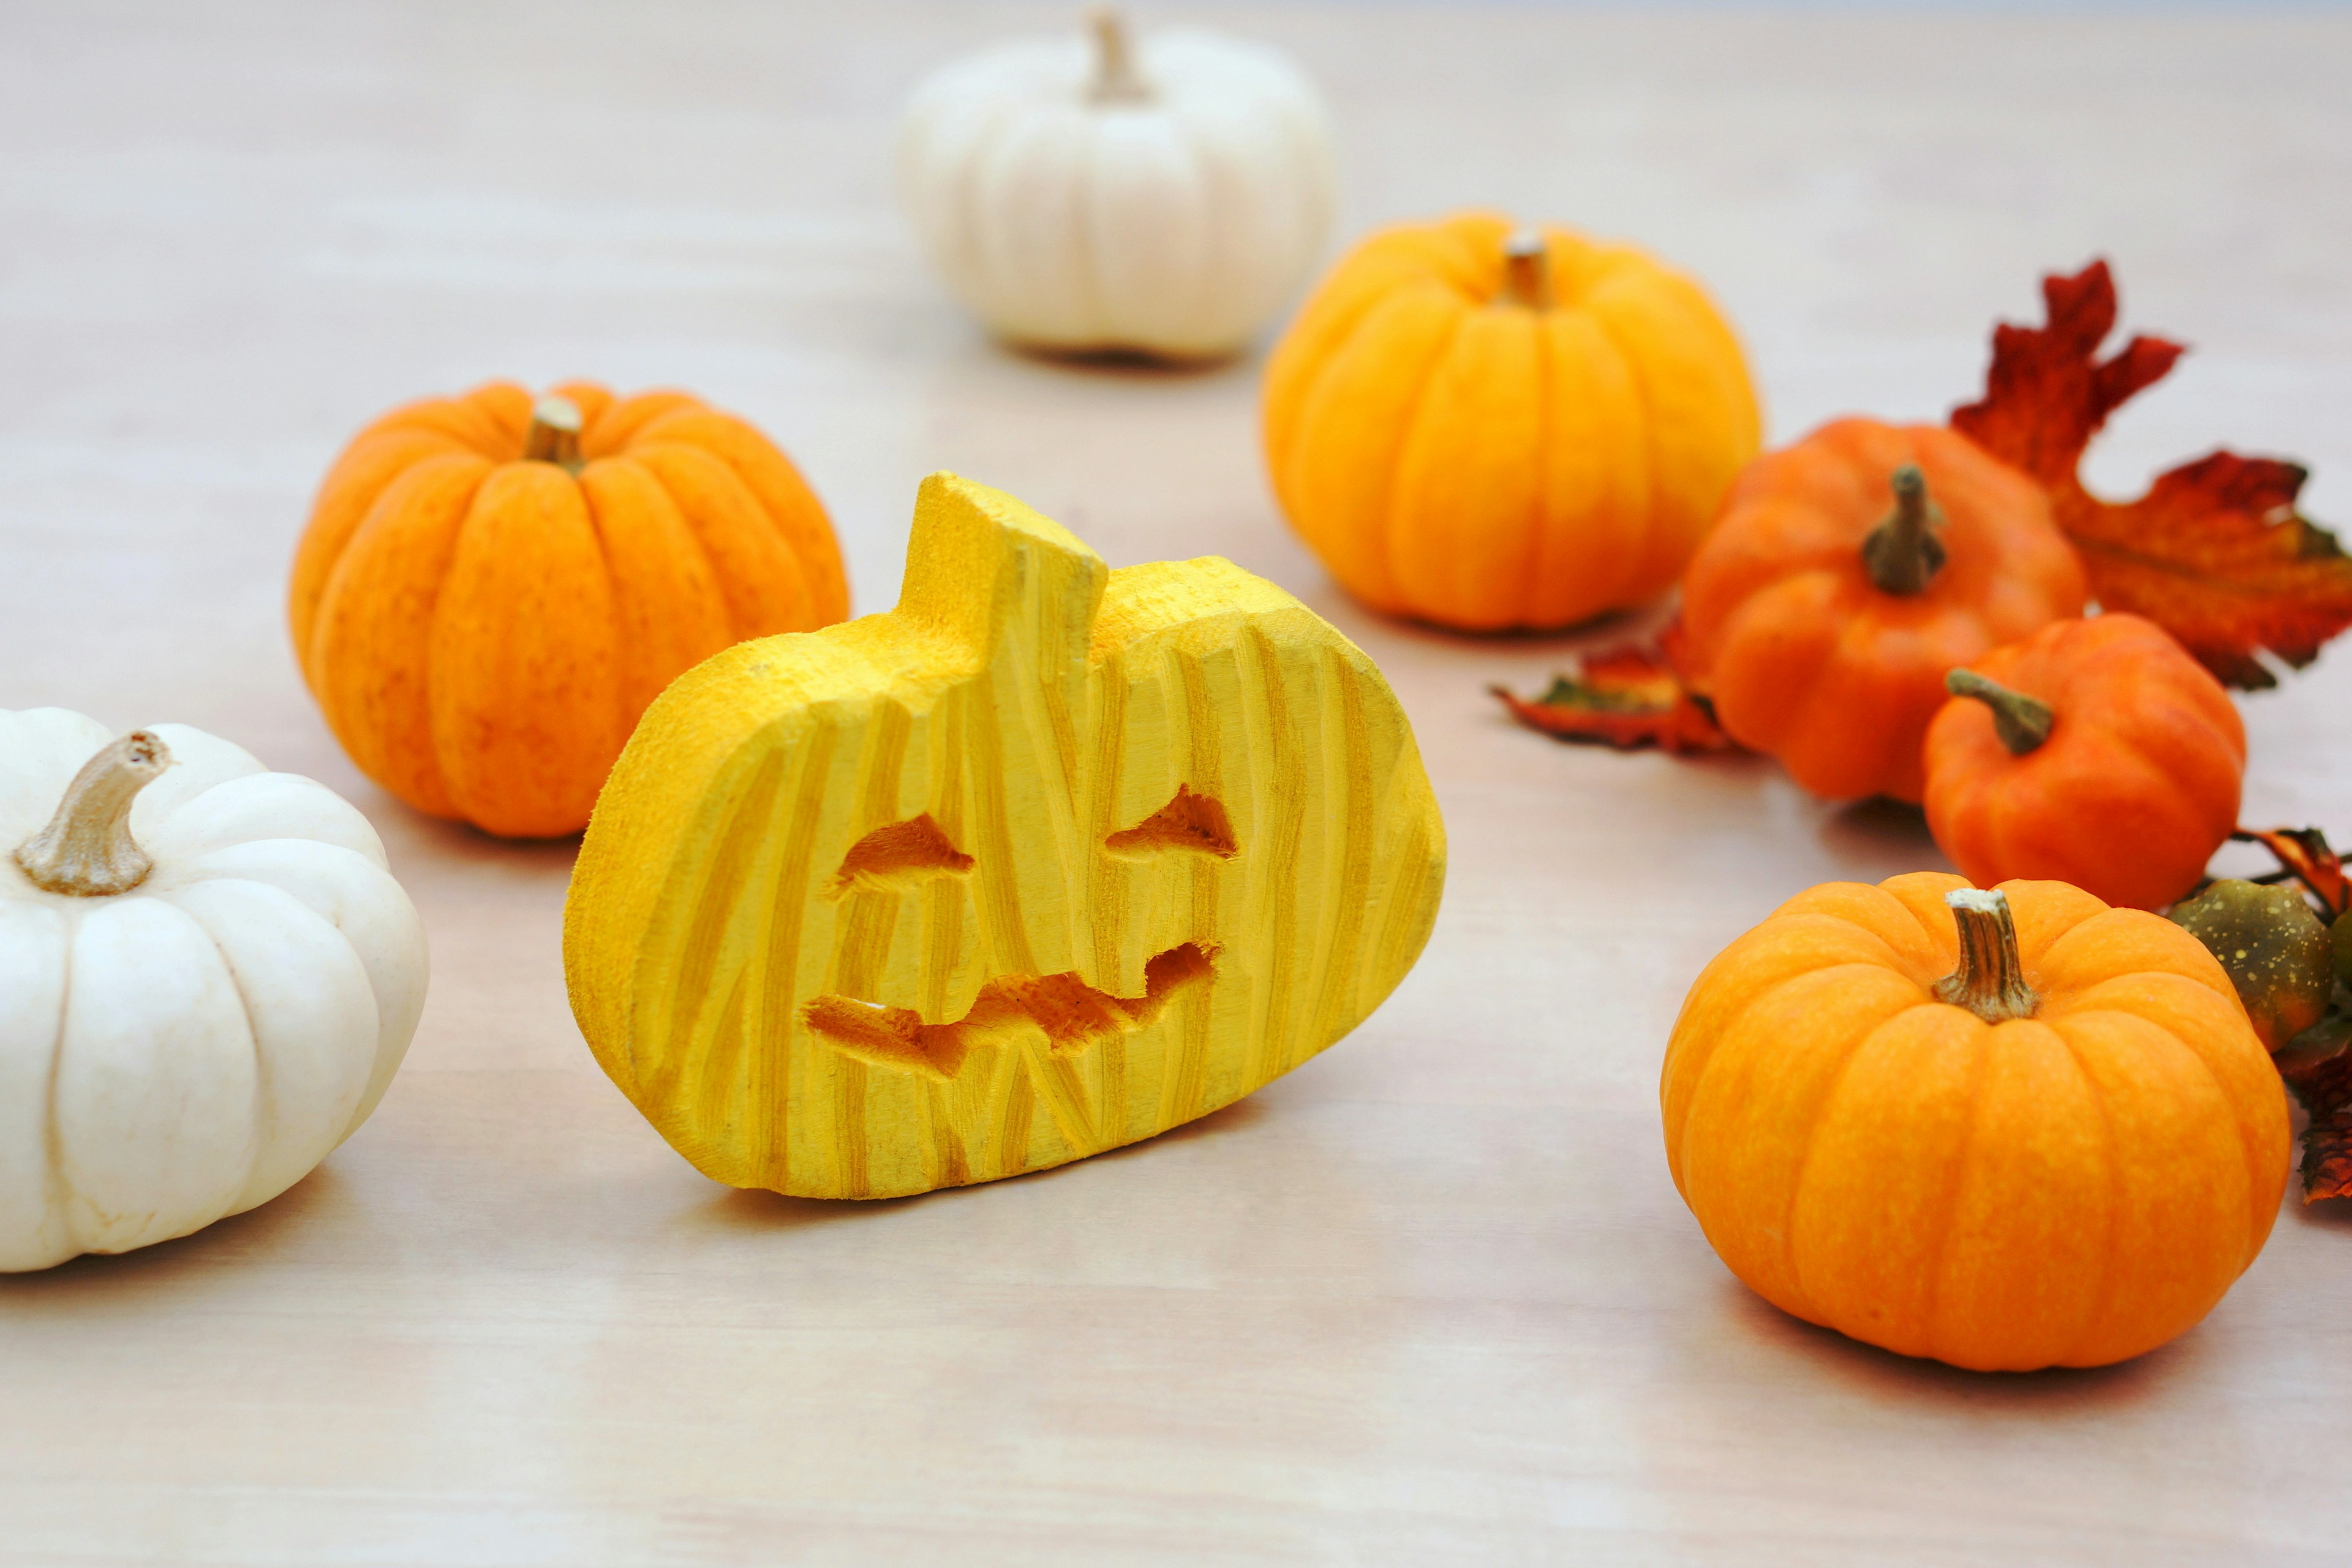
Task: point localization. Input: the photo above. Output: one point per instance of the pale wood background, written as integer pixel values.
(1432, 1298)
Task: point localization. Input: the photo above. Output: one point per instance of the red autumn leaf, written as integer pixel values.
(2303, 854)
(2047, 392)
(2325, 1086)
(2215, 553)
(1627, 697)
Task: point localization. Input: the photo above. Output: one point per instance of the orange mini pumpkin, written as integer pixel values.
(1850, 571)
(491, 591)
(2008, 1130)
(1486, 429)
(2096, 752)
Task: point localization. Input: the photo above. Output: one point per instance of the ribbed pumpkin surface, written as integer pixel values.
(1460, 457)
(482, 631)
(1805, 658)
(2135, 787)
(2069, 1189)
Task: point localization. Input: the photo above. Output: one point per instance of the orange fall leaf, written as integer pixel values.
(2303, 854)
(1627, 697)
(2215, 553)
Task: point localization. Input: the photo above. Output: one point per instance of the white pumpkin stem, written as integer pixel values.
(1902, 554)
(87, 849)
(554, 434)
(1527, 269)
(1116, 78)
(1990, 979)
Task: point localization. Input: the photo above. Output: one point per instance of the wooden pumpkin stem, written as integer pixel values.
(554, 434)
(1902, 553)
(1990, 979)
(1526, 270)
(2022, 722)
(1116, 78)
(87, 849)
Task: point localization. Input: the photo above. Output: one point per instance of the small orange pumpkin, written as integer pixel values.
(492, 590)
(1485, 429)
(1849, 573)
(2096, 752)
(2008, 1130)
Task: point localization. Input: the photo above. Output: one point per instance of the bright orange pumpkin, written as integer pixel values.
(1898, 1114)
(492, 590)
(2096, 752)
(1824, 611)
(1485, 429)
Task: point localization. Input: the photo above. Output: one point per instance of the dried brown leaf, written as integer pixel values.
(2325, 1086)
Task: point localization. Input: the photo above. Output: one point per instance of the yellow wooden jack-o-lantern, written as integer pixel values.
(1048, 859)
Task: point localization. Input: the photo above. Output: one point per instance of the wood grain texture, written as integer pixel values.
(1047, 860)
(1430, 1298)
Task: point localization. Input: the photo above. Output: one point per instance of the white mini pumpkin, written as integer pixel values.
(1076, 196)
(208, 977)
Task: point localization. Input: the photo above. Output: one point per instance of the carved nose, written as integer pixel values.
(1189, 823)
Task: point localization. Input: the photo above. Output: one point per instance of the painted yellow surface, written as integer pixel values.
(1045, 860)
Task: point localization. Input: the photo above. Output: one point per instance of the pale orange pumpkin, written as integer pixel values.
(1485, 429)
(2006, 1128)
(491, 591)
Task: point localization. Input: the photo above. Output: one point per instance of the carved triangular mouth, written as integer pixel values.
(1071, 1015)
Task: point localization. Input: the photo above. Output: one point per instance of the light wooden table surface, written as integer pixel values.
(1430, 1298)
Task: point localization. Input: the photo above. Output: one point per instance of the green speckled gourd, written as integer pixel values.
(2279, 955)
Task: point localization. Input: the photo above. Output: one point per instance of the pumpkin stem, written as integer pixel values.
(1903, 553)
(1116, 78)
(1990, 979)
(2022, 722)
(87, 849)
(554, 434)
(1526, 270)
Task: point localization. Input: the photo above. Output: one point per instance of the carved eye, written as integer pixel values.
(899, 855)
(1195, 823)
